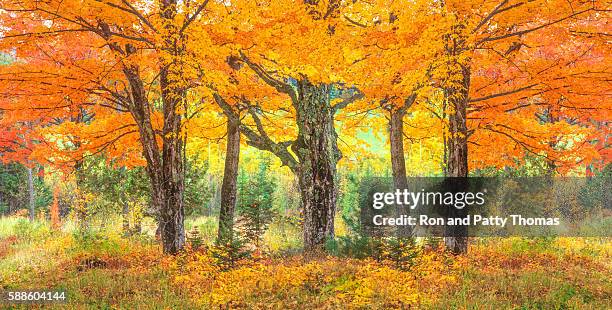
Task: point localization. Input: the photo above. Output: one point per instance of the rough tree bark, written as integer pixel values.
(317, 151)
(314, 155)
(172, 212)
(551, 164)
(165, 167)
(230, 178)
(396, 144)
(456, 239)
(165, 163)
(456, 142)
(169, 167)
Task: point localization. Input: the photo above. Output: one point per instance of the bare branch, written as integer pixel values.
(354, 22)
(493, 13)
(140, 16)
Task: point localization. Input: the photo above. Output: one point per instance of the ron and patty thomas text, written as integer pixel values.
(425, 220)
(458, 200)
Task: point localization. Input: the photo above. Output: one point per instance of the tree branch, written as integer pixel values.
(497, 10)
(344, 103)
(191, 18)
(522, 32)
(503, 93)
(269, 79)
(260, 138)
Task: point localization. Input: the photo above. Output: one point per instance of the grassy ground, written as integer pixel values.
(102, 270)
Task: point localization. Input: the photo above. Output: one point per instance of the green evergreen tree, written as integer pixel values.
(255, 202)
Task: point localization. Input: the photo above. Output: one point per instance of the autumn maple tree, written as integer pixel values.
(400, 41)
(305, 68)
(502, 61)
(494, 82)
(122, 61)
(499, 75)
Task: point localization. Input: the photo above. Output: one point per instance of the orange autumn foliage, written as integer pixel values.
(526, 58)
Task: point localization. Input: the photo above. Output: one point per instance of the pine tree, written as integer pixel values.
(255, 206)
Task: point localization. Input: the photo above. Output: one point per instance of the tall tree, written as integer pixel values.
(497, 68)
(233, 94)
(229, 187)
(125, 61)
(304, 68)
(400, 41)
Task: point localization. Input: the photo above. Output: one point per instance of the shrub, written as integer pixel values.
(227, 255)
(31, 231)
(92, 243)
(351, 246)
(401, 252)
(194, 238)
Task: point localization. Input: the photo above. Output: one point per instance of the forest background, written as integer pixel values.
(230, 132)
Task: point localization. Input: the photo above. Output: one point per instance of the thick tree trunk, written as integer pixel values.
(172, 220)
(167, 188)
(456, 239)
(551, 164)
(398, 161)
(317, 150)
(31, 194)
(167, 196)
(165, 164)
(396, 143)
(230, 178)
(165, 167)
(457, 162)
(173, 214)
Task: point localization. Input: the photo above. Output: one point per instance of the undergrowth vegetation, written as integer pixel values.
(103, 269)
